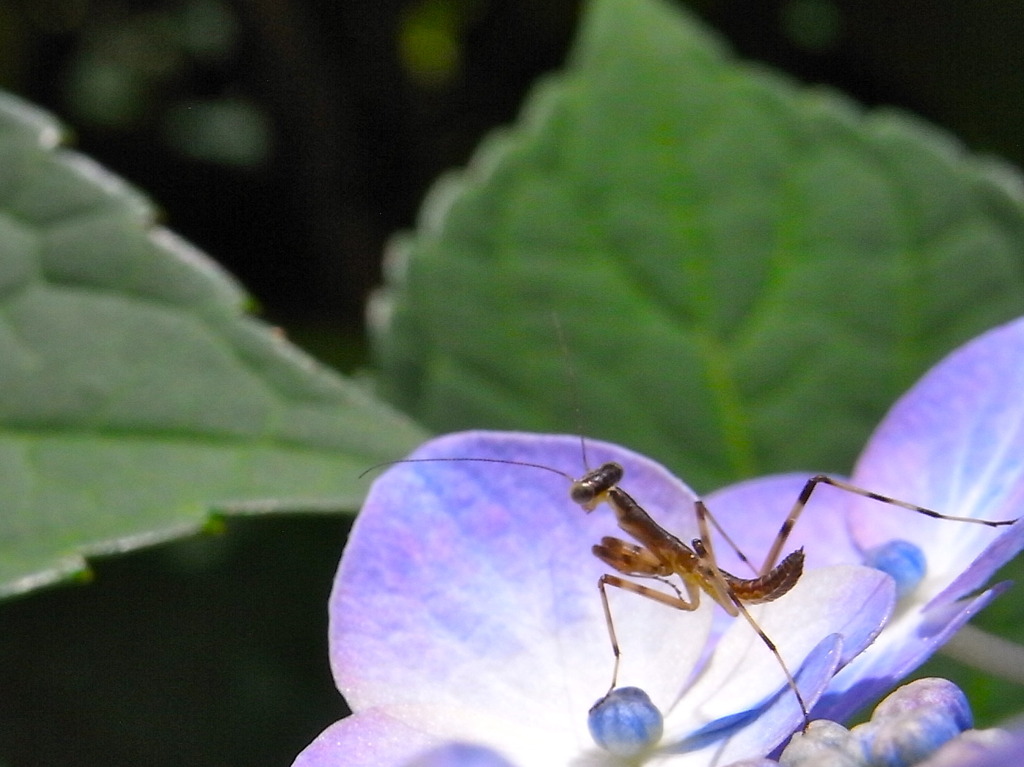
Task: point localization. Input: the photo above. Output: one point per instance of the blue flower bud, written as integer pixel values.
(625, 722)
(904, 561)
(928, 693)
(980, 748)
(823, 744)
(913, 722)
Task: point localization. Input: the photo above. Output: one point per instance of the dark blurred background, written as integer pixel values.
(289, 139)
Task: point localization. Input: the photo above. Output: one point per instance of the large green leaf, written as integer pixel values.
(136, 397)
(748, 272)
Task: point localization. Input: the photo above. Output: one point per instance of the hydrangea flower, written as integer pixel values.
(955, 444)
(466, 608)
(466, 626)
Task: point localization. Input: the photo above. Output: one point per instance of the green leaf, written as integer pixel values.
(748, 272)
(136, 397)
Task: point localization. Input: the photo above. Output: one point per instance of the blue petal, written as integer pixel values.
(903, 646)
(756, 731)
(459, 755)
(1000, 551)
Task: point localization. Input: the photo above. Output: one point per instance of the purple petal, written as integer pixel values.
(751, 513)
(472, 585)
(845, 601)
(851, 601)
(954, 443)
(379, 737)
(368, 739)
(460, 755)
(907, 641)
(754, 733)
(998, 553)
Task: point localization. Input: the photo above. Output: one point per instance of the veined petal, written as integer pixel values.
(751, 513)
(471, 585)
(908, 640)
(847, 601)
(954, 443)
(851, 601)
(378, 737)
(368, 739)
(754, 732)
(977, 574)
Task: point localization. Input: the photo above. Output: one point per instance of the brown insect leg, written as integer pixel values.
(714, 575)
(821, 479)
(678, 601)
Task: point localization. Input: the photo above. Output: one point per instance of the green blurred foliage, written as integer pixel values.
(747, 273)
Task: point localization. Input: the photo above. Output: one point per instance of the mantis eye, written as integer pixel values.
(587, 490)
